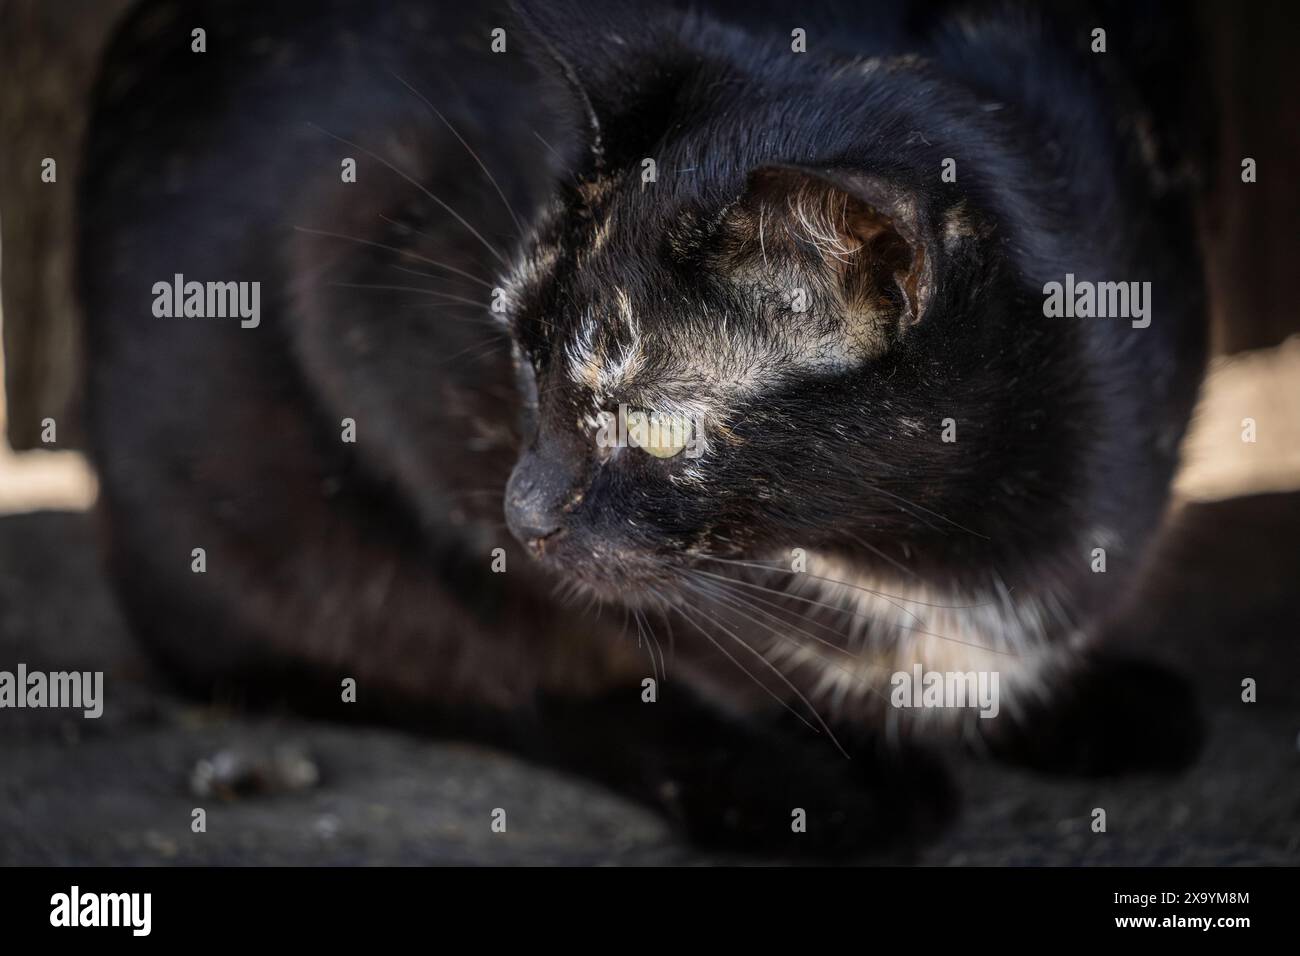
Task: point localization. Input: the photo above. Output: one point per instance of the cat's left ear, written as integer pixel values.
(623, 70)
(867, 239)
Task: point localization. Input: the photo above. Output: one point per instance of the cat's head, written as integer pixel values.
(746, 321)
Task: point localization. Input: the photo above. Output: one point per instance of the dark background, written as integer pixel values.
(49, 48)
(1221, 604)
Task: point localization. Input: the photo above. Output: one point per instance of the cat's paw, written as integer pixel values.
(758, 787)
(1112, 716)
(802, 799)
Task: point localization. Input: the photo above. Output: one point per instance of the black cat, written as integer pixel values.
(746, 314)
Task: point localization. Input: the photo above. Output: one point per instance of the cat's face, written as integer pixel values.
(833, 338)
(713, 375)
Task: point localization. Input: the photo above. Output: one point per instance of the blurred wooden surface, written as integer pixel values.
(49, 50)
(1252, 235)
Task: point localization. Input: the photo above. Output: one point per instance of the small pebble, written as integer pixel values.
(237, 772)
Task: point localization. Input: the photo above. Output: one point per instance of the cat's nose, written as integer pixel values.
(535, 498)
(532, 524)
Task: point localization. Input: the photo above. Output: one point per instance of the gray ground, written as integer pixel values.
(120, 790)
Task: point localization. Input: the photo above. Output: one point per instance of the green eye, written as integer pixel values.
(661, 435)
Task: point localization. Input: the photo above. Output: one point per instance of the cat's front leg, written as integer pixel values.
(1108, 714)
(754, 786)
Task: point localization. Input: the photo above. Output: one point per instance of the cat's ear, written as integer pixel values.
(863, 238)
(621, 69)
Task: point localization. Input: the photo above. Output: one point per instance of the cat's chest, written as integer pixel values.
(866, 639)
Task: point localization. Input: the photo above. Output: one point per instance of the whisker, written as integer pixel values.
(663, 663)
(944, 518)
(808, 574)
(440, 308)
(722, 650)
(881, 554)
(738, 602)
(642, 627)
(668, 623)
(567, 167)
(424, 275)
(410, 288)
(775, 670)
(397, 249)
(858, 614)
(846, 584)
(519, 229)
(740, 608)
(732, 585)
(424, 189)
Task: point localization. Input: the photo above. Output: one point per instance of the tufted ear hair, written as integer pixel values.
(623, 70)
(863, 238)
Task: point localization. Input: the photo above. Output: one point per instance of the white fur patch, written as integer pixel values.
(899, 625)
